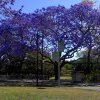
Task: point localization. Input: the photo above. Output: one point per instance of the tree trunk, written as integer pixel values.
(56, 71)
(88, 68)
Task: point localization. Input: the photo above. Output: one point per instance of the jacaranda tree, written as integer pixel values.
(76, 26)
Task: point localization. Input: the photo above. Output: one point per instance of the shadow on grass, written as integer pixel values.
(41, 88)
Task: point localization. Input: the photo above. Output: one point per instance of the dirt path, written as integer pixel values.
(97, 88)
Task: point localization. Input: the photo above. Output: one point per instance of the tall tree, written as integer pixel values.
(75, 26)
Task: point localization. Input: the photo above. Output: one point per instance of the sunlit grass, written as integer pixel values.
(62, 78)
(47, 93)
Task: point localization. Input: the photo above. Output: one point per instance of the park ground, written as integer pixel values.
(48, 93)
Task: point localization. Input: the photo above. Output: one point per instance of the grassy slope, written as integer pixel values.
(47, 93)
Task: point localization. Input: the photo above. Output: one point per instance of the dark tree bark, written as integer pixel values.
(89, 60)
(56, 71)
(88, 69)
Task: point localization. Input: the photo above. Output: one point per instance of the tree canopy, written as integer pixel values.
(77, 26)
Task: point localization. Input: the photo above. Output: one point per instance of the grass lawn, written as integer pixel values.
(47, 93)
(68, 77)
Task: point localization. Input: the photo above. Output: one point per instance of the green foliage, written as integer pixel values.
(68, 66)
(48, 68)
(66, 69)
(94, 76)
(30, 64)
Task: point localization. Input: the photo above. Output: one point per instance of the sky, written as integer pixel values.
(32, 5)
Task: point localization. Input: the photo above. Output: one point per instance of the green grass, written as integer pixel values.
(47, 93)
(63, 78)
